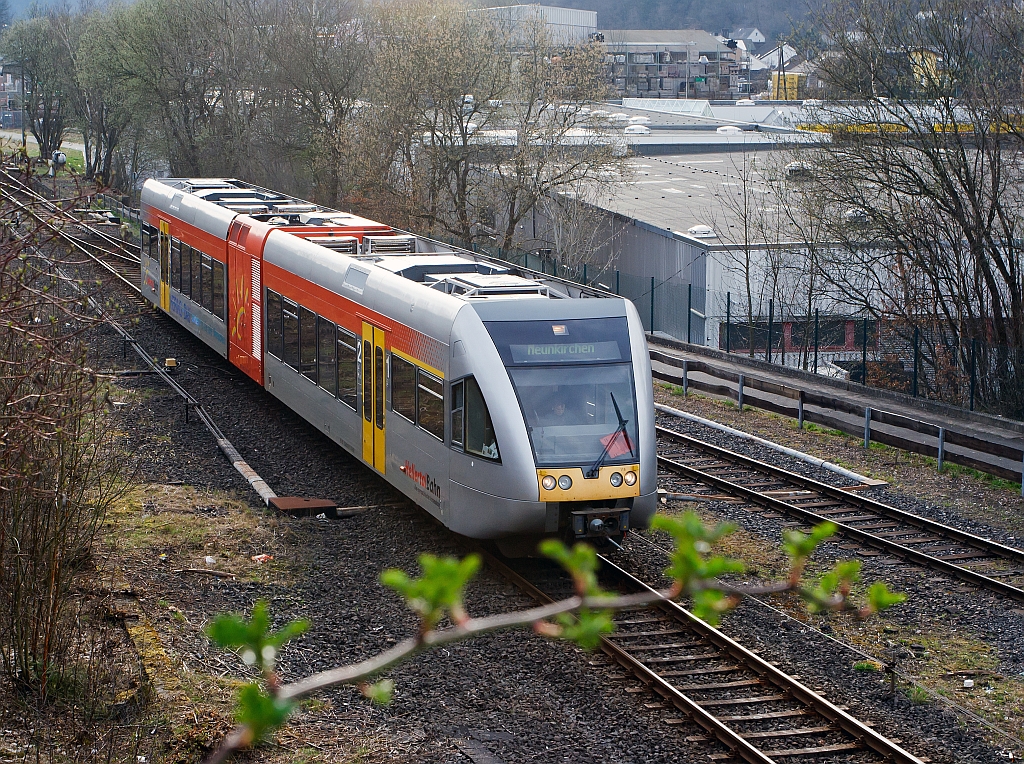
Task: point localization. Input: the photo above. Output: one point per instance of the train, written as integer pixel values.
(508, 404)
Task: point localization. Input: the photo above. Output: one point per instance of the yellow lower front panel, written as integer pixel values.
(594, 489)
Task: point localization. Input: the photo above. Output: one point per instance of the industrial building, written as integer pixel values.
(692, 228)
(677, 63)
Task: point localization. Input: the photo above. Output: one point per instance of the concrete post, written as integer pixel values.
(942, 447)
(867, 426)
(686, 378)
(739, 394)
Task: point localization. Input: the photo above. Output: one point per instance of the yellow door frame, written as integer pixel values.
(165, 265)
(373, 367)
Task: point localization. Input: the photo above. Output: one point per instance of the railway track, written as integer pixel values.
(700, 468)
(117, 257)
(758, 713)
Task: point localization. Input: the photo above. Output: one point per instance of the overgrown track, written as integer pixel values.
(697, 466)
(119, 258)
(757, 712)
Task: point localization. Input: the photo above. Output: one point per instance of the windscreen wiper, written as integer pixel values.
(594, 471)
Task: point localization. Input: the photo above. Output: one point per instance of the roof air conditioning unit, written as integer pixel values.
(387, 244)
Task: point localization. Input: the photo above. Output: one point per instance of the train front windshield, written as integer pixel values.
(574, 381)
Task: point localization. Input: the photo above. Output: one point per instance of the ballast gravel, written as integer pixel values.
(513, 696)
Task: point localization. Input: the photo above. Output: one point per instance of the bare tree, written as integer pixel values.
(555, 143)
(582, 235)
(36, 44)
(319, 56)
(922, 178)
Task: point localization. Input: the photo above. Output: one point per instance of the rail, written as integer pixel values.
(858, 518)
(742, 744)
(938, 436)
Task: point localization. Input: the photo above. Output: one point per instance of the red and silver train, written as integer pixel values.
(508, 404)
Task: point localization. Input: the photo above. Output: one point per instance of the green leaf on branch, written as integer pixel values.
(438, 591)
(379, 692)
(880, 598)
(587, 628)
(580, 562)
(690, 564)
(800, 546)
(252, 638)
(710, 604)
(833, 587)
(260, 712)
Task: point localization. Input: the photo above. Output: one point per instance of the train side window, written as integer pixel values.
(307, 343)
(197, 275)
(458, 408)
(186, 269)
(206, 283)
(290, 334)
(326, 355)
(480, 438)
(403, 388)
(430, 403)
(367, 361)
(176, 264)
(378, 386)
(218, 290)
(274, 336)
(348, 357)
(145, 236)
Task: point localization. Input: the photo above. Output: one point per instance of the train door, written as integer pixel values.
(374, 371)
(165, 265)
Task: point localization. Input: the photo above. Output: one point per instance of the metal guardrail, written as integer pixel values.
(132, 214)
(937, 436)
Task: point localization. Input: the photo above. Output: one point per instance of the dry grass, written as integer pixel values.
(151, 540)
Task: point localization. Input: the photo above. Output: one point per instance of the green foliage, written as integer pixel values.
(379, 692)
(836, 583)
(880, 598)
(438, 590)
(799, 546)
(918, 695)
(689, 564)
(580, 562)
(258, 647)
(867, 666)
(710, 604)
(587, 628)
(259, 711)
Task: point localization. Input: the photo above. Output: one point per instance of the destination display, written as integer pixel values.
(559, 352)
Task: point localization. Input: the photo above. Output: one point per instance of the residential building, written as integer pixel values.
(751, 35)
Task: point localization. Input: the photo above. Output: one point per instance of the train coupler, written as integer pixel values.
(599, 523)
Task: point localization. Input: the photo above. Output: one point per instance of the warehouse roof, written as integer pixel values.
(679, 192)
(665, 38)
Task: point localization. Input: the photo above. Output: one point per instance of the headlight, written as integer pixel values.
(548, 482)
(565, 482)
(630, 477)
(616, 479)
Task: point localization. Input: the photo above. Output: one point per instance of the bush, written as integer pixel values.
(58, 467)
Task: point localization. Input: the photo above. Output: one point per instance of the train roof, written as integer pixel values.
(211, 204)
